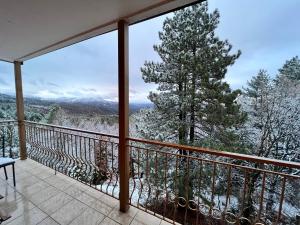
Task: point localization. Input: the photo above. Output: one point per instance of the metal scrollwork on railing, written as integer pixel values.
(89, 157)
(230, 218)
(206, 187)
(183, 184)
(204, 209)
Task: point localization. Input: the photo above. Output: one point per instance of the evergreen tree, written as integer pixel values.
(291, 69)
(192, 101)
(273, 131)
(258, 84)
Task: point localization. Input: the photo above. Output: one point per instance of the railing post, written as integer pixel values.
(3, 145)
(123, 87)
(20, 110)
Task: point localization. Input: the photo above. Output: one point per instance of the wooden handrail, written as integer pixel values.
(232, 155)
(8, 121)
(72, 129)
(238, 156)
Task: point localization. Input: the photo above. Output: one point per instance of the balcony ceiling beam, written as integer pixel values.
(32, 28)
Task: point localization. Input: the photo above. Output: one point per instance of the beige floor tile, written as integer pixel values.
(21, 184)
(144, 218)
(74, 191)
(108, 221)
(94, 193)
(31, 217)
(49, 221)
(35, 170)
(17, 208)
(69, 212)
(43, 195)
(6, 189)
(123, 218)
(109, 200)
(45, 174)
(80, 185)
(85, 198)
(19, 174)
(95, 203)
(30, 190)
(101, 207)
(38, 170)
(89, 216)
(55, 203)
(58, 182)
(10, 197)
(46, 199)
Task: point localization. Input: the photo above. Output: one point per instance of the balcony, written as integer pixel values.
(41, 197)
(171, 183)
(72, 176)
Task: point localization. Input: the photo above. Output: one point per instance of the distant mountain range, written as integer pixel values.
(78, 105)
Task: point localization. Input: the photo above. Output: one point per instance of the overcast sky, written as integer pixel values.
(266, 31)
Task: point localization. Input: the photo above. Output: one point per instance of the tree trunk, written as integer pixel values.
(271, 198)
(192, 121)
(249, 208)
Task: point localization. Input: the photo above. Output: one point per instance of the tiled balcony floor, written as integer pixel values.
(43, 198)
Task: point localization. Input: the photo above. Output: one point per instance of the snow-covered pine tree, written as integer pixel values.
(291, 69)
(192, 103)
(273, 109)
(273, 131)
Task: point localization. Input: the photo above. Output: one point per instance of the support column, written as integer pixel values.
(20, 110)
(123, 114)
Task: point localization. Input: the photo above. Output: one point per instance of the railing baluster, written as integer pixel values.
(100, 163)
(212, 203)
(261, 200)
(281, 200)
(176, 189)
(139, 177)
(165, 183)
(187, 187)
(156, 182)
(107, 165)
(131, 173)
(148, 178)
(244, 192)
(110, 170)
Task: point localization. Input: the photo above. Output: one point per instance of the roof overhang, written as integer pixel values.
(32, 28)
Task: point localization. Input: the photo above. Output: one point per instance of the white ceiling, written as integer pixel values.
(29, 28)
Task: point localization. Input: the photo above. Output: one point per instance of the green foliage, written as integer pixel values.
(273, 110)
(192, 100)
(238, 145)
(7, 110)
(258, 84)
(34, 111)
(49, 117)
(33, 116)
(291, 69)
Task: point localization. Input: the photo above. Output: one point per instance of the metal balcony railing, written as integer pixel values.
(9, 139)
(192, 185)
(89, 157)
(183, 184)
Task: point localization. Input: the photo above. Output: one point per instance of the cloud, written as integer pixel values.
(89, 90)
(3, 82)
(51, 84)
(265, 32)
